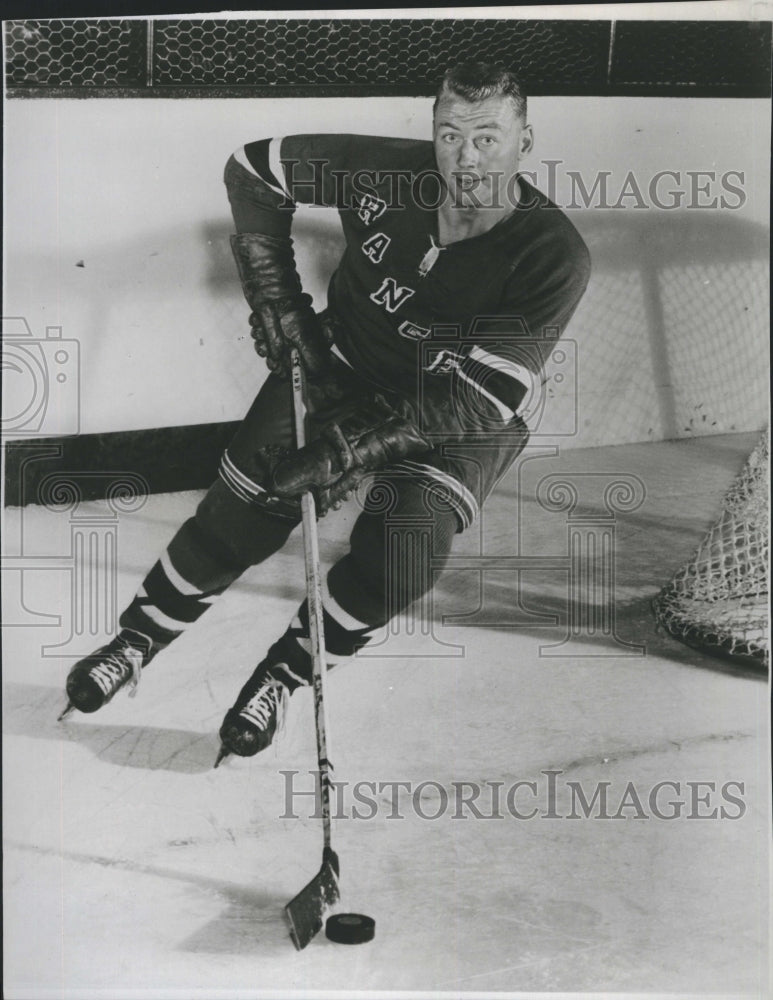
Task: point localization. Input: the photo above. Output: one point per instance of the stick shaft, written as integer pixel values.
(314, 597)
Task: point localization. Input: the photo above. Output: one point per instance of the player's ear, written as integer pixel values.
(527, 140)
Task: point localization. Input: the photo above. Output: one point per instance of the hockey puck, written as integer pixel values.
(350, 928)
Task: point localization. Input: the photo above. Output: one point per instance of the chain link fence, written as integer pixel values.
(380, 56)
(93, 54)
(394, 53)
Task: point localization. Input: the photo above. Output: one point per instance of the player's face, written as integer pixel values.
(478, 147)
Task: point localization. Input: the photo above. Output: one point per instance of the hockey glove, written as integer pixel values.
(373, 435)
(282, 316)
(378, 430)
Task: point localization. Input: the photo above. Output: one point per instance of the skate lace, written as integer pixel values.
(116, 668)
(270, 697)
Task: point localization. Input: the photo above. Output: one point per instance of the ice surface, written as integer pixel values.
(133, 867)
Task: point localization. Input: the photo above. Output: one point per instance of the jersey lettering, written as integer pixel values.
(375, 246)
(445, 362)
(371, 208)
(390, 295)
(412, 331)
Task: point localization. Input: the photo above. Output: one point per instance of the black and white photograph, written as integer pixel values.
(385, 443)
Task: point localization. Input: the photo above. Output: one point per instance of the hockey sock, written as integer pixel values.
(179, 588)
(207, 554)
(289, 659)
(384, 572)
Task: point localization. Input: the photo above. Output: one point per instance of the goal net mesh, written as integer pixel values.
(718, 601)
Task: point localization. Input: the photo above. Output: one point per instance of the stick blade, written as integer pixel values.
(306, 912)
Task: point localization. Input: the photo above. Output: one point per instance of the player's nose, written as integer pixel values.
(468, 155)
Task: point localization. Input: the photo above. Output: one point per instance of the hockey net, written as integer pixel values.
(718, 601)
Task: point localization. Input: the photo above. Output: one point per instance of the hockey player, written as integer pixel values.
(440, 236)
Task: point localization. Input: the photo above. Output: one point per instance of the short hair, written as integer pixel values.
(475, 81)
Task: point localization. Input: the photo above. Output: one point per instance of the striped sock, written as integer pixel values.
(289, 658)
(180, 587)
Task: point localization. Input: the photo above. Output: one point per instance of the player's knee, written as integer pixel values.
(246, 533)
(405, 546)
(405, 508)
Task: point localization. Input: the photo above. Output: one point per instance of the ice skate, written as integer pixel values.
(95, 679)
(250, 724)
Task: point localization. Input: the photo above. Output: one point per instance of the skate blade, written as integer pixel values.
(69, 707)
(221, 756)
(306, 912)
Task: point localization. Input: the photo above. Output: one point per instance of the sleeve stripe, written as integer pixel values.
(505, 412)
(507, 384)
(276, 168)
(263, 162)
(335, 349)
(505, 366)
(241, 158)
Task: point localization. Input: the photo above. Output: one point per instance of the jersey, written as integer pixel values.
(484, 310)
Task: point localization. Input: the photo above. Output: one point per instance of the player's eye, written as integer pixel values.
(449, 137)
(486, 140)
